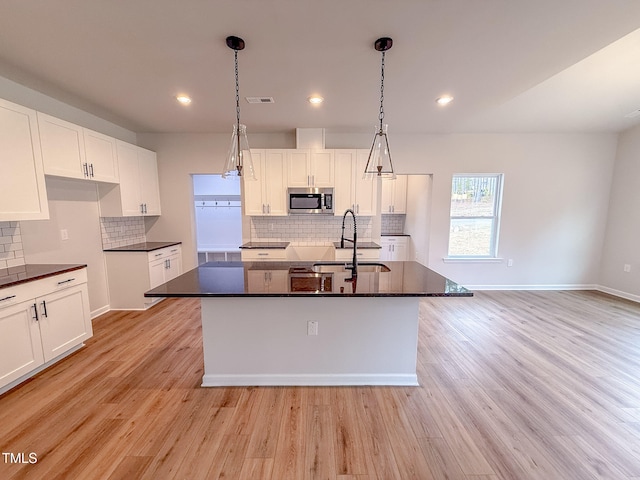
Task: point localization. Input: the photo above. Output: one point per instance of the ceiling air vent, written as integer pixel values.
(260, 99)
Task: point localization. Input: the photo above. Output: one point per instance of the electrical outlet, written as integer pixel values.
(627, 267)
(510, 262)
(312, 328)
(64, 234)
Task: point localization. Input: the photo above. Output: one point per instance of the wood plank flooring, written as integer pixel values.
(514, 386)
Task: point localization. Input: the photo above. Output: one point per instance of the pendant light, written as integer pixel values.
(239, 162)
(379, 163)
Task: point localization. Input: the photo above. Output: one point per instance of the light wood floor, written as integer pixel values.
(514, 385)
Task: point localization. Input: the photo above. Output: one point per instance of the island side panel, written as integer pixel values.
(264, 341)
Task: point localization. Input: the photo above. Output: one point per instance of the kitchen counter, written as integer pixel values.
(233, 279)
(298, 323)
(34, 271)
(142, 247)
(265, 245)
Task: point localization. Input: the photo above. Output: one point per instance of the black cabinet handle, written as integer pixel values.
(7, 298)
(66, 281)
(91, 169)
(85, 166)
(44, 309)
(35, 311)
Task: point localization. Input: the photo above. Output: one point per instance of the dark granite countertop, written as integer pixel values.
(265, 245)
(34, 271)
(248, 279)
(361, 245)
(142, 247)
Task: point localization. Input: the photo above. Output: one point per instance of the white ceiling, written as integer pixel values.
(512, 65)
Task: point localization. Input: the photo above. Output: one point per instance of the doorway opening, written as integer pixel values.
(218, 215)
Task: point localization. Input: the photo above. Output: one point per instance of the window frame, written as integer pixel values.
(497, 211)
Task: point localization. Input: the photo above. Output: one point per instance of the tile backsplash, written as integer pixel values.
(307, 230)
(392, 223)
(121, 231)
(11, 251)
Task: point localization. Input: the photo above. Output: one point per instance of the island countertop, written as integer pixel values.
(276, 279)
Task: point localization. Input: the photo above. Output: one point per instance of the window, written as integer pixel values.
(475, 214)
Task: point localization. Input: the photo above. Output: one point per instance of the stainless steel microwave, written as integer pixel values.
(310, 201)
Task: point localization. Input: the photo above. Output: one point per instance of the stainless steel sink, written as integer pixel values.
(339, 267)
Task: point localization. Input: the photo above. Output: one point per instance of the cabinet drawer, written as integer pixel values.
(259, 254)
(10, 296)
(38, 288)
(346, 254)
(164, 253)
(65, 280)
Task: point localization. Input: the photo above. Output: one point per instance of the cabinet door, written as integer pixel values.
(344, 193)
(149, 185)
(385, 251)
(64, 320)
(174, 267)
(62, 143)
(366, 188)
(298, 173)
(257, 281)
(157, 272)
(101, 156)
(400, 251)
(399, 194)
(386, 195)
(130, 192)
(322, 168)
(275, 182)
(23, 195)
(253, 202)
(20, 346)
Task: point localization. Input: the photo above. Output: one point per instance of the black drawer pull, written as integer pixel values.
(66, 281)
(7, 298)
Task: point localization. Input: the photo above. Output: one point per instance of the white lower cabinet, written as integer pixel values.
(40, 321)
(265, 281)
(263, 254)
(394, 248)
(131, 274)
(346, 254)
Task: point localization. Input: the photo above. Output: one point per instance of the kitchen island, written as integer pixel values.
(300, 323)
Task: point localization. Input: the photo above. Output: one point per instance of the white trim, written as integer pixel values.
(533, 287)
(619, 293)
(472, 260)
(407, 380)
(100, 311)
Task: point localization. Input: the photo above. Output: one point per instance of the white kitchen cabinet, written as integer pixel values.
(394, 195)
(23, 194)
(263, 254)
(40, 321)
(364, 254)
(71, 151)
(265, 281)
(138, 193)
(310, 168)
(101, 156)
(394, 248)
(351, 189)
(267, 194)
(132, 273)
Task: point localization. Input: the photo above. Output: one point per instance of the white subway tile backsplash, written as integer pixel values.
(11, 250)
(308, 230)
(392, 224)
(120, 231)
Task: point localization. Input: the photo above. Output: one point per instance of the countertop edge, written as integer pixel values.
(57, 269)
(141, 248)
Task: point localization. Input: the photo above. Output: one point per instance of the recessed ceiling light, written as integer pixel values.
(444, 100)
(315, 99)
(183, 99)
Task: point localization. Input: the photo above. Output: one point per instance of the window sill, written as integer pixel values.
(472, 260)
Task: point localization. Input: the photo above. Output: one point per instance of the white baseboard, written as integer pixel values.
(100, 311)
(533, 287)
(407, 380)
(619, 293)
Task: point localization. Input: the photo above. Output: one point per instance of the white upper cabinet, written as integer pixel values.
(62, 145)
(23, 194)
(394, 195)
(71, 151)
(267, 195)
(351, 189)
(138, 193)
(313, 168)
(101, 156)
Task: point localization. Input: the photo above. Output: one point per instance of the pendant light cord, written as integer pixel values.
(381, 115)
(239, 160)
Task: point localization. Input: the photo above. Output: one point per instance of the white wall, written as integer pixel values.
(623, 227)
(73, 206)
